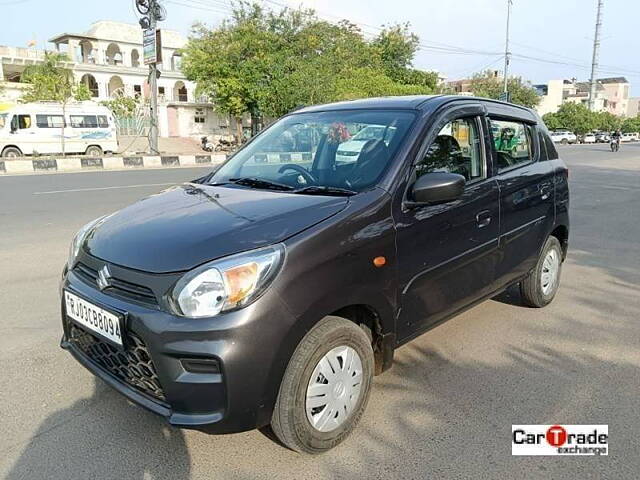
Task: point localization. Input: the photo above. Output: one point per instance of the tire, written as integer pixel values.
(11, 152)
(532, 289)
(94, 151)
(291, 420)
(564, 141)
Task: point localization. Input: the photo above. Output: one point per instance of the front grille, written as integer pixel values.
(118, 287)
(132, 365)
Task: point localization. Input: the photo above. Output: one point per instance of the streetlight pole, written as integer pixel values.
(153, 85)
(152, 12)
(507, 54)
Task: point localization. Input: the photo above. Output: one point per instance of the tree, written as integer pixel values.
(51, 81)
(631, 125)
(486, 84)
(267, 63)
(573, 116)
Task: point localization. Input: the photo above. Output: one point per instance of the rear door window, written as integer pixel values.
(512, 142)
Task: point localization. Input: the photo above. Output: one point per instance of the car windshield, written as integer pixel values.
(301, 152)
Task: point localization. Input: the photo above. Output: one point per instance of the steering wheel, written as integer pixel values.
(301, 170)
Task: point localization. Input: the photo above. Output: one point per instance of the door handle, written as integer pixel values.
(483, 218)
(545, 192)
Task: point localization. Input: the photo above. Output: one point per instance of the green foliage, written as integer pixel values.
(579, 119)
(50, 81)
(396, 45)
(122, 106)
(267, 63)
(485, 84)
(630, 125)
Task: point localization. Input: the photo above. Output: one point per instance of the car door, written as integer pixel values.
(526, 196)
(447, 252)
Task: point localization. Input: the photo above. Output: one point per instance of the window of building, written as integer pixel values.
(137, 90)
(456, 149)
(512, 143)
(50, 121)
(201, 116)
(161, 91)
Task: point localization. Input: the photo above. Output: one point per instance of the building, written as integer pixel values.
(612, 95)
(617, 94)
(108, 60)
(633, 108)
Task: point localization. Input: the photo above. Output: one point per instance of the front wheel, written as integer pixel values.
(11, 152)
(325, 388)
(541, 285)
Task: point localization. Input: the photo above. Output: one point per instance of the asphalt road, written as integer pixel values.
(443, 411)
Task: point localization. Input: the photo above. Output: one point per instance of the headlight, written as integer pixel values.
(226, 284)
(74, 249)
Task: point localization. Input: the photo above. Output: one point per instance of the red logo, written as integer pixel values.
(556, 436)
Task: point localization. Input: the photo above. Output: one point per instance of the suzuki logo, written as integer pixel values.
(104, 277)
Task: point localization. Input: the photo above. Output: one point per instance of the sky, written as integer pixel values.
(458, 37)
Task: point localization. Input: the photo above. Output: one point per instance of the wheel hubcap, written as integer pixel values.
(334, 388)
(550, 268)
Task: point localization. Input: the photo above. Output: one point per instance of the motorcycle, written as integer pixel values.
(224, 144)
(207, 146)
(615, 144)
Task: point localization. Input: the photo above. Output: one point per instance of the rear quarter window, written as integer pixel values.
(552, 153)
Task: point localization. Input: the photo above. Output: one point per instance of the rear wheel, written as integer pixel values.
(564, 141)
(11, 152)
(94, 151)
(325, 388)
(540, 287)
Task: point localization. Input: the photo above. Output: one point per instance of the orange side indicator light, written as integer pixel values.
(379, 261)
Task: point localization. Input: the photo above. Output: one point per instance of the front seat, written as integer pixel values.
(372, 160)
(445, 155)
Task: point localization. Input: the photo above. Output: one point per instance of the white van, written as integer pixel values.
(37, 128)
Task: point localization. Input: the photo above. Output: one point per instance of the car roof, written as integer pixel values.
(426, 103)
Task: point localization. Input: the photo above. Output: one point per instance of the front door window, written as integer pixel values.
(456, 149)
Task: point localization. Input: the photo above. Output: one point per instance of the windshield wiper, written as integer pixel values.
(320, 190)
(259, 183)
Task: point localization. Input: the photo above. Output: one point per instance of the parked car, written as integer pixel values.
(272, 293)
(602, 137)
(588, 138)
(564, 136)
(37, 128)
(629, 137)
(349, 151)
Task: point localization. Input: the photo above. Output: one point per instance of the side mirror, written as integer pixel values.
(437, 187)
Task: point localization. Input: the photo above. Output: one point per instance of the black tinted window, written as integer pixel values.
(543, 148)
(552, 153)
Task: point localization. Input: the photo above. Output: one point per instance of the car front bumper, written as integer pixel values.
(219, 375)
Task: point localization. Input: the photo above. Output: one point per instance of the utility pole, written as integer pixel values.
(594, 60)
(152, 12)
(507, 56)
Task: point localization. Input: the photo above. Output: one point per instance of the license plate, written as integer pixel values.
(94, 318)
